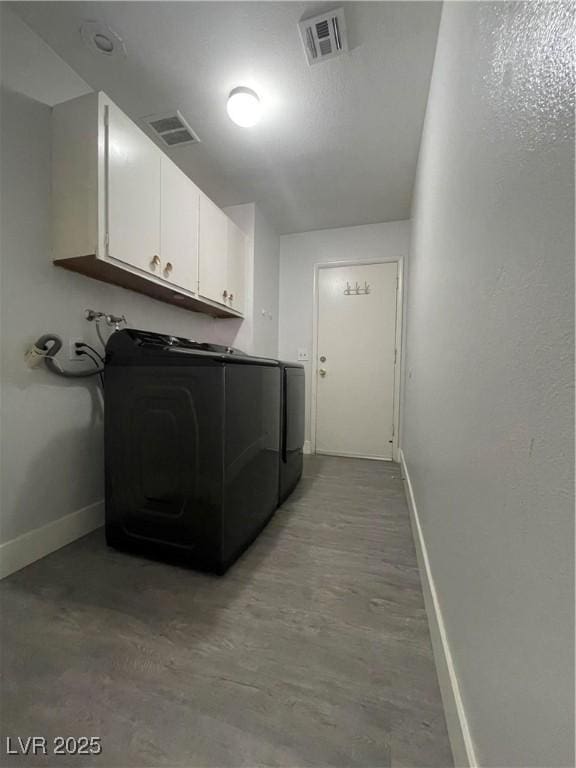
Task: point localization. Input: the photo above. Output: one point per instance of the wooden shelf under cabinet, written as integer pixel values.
(107, 272)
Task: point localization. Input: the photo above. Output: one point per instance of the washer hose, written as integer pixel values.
(49, 345)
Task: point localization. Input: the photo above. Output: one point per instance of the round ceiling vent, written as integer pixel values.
(102, 39)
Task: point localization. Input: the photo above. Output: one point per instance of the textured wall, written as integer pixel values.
(298, 256)
(488, 408)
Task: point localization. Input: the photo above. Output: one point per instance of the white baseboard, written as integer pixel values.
(31, 546)
(307, 450)
(456, 720)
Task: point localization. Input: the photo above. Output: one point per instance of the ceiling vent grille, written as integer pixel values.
(324, 36)
(172, 129)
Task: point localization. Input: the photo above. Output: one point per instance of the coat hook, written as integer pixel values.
(357, 290)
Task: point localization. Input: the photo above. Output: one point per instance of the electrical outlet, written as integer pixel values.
(72, 348)
(302, 355)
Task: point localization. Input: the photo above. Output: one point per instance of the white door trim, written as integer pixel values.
(398, 366)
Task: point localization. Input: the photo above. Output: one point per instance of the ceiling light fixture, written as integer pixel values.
(244, 107)
(103, 43)
(101, 38)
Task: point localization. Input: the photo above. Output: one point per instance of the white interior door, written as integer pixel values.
(356, 360)
(133, 193)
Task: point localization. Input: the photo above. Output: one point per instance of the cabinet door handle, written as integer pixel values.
(167, 268)
(231, 298)
(224, 294)
(155, 262)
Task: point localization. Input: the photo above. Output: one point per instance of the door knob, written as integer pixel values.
(155, 262)
(322, 372)
(167, 269)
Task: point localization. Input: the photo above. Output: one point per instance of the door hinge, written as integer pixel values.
(393, 430)
(395, 355)
(107, 243)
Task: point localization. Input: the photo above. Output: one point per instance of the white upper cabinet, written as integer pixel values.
(213, 252)
(221, 256)
(180, 199)
(124, 213)
(236, 266)
(132, 192)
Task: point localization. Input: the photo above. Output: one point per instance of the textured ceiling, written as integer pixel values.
(338, 142)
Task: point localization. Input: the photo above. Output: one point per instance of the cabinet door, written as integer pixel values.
(237, 243)
(179, 228)
(133, 193)
(212, 252)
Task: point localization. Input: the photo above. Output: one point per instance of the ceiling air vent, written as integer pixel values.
(324, 36)
(172, 129)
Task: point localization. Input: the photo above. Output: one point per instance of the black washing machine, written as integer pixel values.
(192, 443)
(291, 427)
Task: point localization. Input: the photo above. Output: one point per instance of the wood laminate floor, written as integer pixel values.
(313, 650)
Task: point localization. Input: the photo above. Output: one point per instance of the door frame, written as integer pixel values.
(398, 345)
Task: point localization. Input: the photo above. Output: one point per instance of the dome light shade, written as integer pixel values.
(244, 107)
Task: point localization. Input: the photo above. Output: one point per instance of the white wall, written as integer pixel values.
(51, 450)
(488, 403)
(266, 287)
(30, 67)
(298, 256)
(259, 331)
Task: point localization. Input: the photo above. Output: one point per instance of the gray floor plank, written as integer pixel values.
(313, 650)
